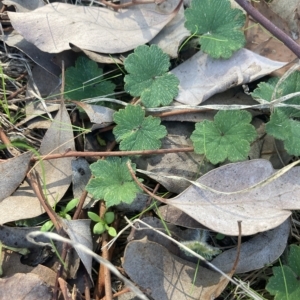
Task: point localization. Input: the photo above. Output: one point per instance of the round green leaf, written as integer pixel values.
(148, 77)
(99, 228)
(109, 217)
(134, 131)
(112, 231)
(94, 216)
(219, 25)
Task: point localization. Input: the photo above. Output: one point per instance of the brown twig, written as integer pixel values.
(17, 92)
(4, 138)
(124, 291)
(115, 153)
(133, 228)
(104, 278)
(180, 112)
(238, 250)
(142, 187)
(36, 186)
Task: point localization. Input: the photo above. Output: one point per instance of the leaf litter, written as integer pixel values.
(61, 24)
(56, 173)
(235, 192)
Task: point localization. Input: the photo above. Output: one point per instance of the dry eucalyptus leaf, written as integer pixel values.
(100, 115)
(287, 10)
(173, 34)
(168, 276)
(153, 236)
(98, 57)
(13, 172)
(81, 174)
(24, 5)
(261, 208)
(201, 76)
(43, 59)
(23, 287)
(12, 265)
(188, 165)
(51, 28)
(256, 253)
(79, 231)
(24, 204)
(273, 150)
(176, 216)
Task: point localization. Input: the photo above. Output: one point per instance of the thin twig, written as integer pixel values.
(36, 186)
(272, 28)
(115, 153)
(142, 187)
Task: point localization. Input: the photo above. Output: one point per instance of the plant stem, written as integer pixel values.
(277, 32)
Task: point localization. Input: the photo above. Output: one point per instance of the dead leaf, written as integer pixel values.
(176, 216)
(187, 165)
(24, 286)
(154, 236)
(13, 172)
(273, 150)
(261, 208)
(139, 203)
(58, 173)
(255, 254)
(167, 276)
(24, 5)
(100, 115)
(173, 34)
(201, 76)
(97, 57)
(81, 174)
(79, 231)
(43, 59)
(287, 11)
(51, 28)
(16, 237)
(12, 265)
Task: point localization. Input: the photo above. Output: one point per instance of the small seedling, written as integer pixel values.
(63, 214)
(102, 224)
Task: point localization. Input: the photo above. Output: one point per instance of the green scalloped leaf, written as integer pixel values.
(87, 76)
(148, 77)
(227, 137)
(285, 129)
(219, 26)
(113, 181)
(284, 284)
(281, 125)
(134, 131)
